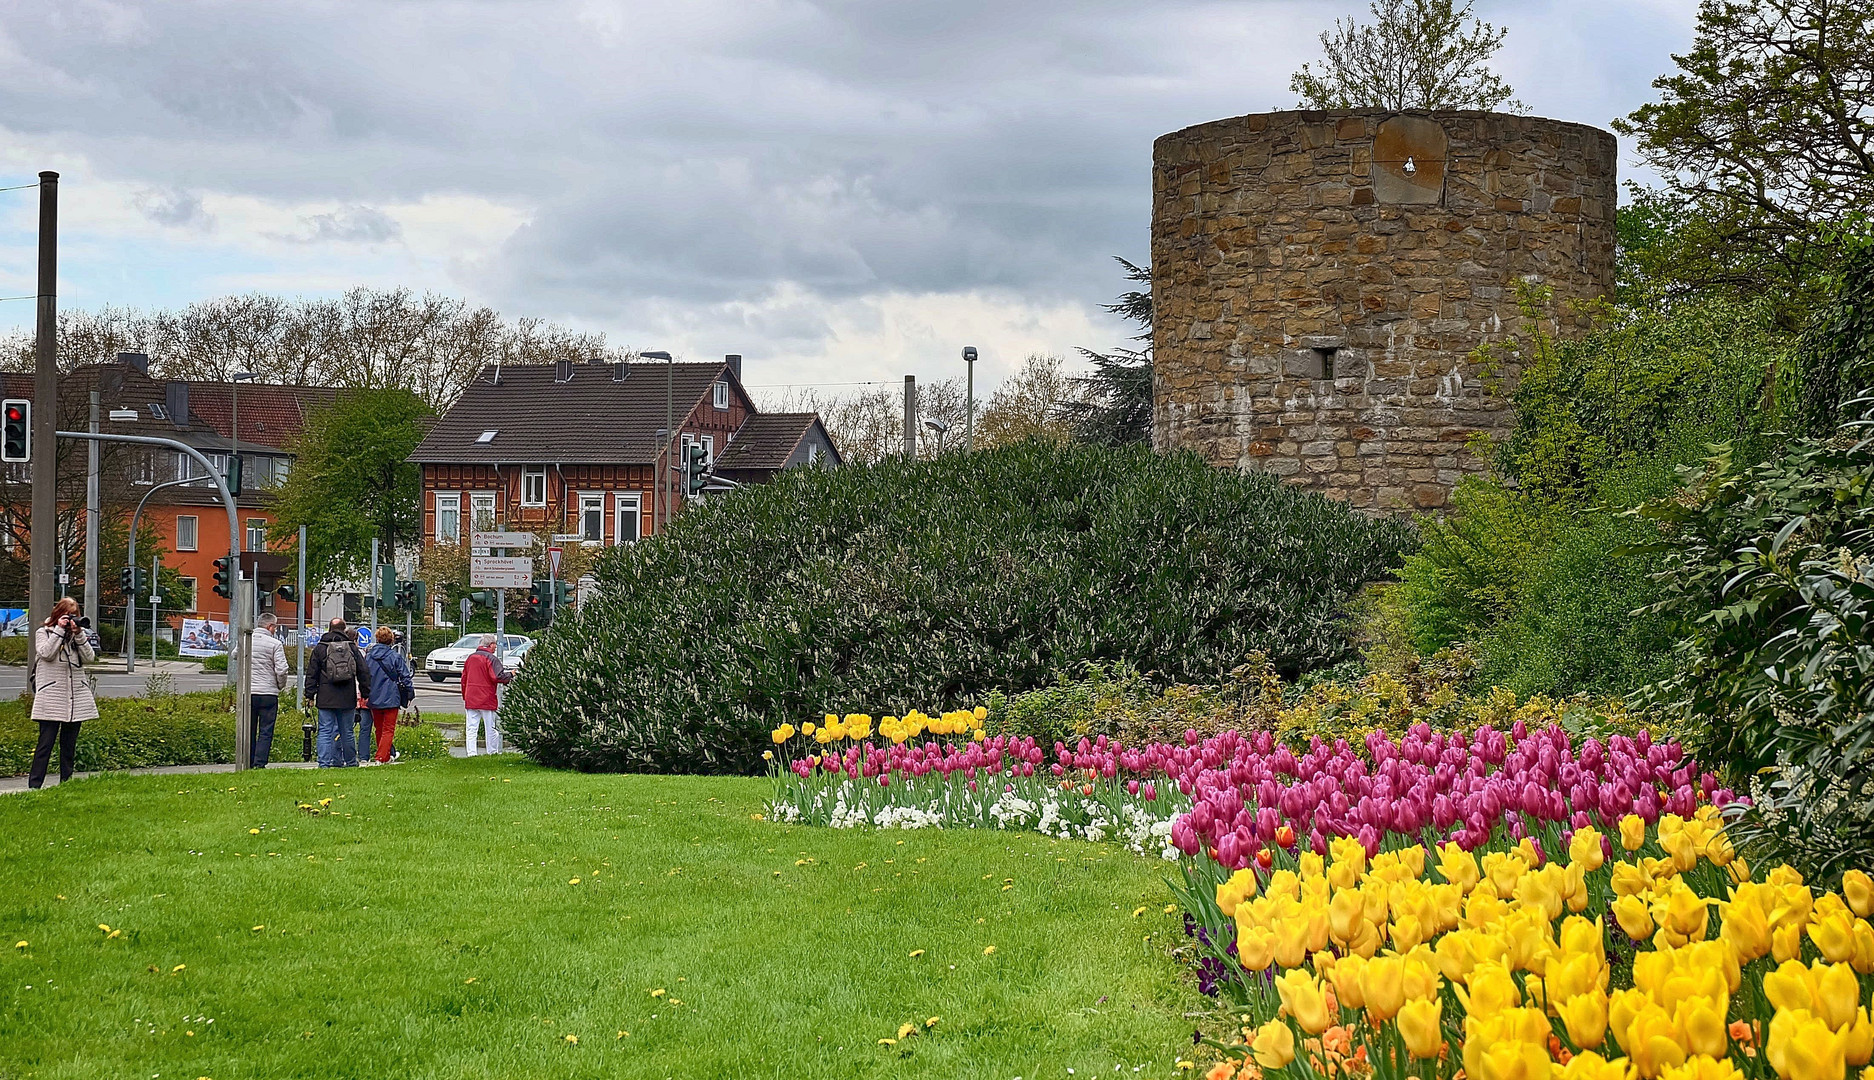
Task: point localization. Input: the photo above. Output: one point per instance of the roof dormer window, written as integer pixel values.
(487, 437)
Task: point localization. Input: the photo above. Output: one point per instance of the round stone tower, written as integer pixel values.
(1321, 283)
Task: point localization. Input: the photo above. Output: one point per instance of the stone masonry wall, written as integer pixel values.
(1321, 281)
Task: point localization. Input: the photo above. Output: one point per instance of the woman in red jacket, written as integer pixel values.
(482, 673)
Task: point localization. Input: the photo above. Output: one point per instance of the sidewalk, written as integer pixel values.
(13, 785)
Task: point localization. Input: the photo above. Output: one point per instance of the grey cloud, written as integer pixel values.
(174, 208)
(350, 225)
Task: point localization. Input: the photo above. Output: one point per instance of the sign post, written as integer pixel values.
(501, 573)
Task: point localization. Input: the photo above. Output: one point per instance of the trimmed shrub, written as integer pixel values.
(928, 584)
(134, 733)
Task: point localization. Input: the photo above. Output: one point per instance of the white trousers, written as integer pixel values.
(474, 718)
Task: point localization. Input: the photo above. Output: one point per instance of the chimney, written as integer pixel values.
(734, 360)
(563, 371)
(176, 402)
(137, 360)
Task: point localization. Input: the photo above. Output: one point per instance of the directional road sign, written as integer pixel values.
(501, 572)
(502, 539)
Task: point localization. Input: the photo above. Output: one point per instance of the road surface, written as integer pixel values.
(185, 677)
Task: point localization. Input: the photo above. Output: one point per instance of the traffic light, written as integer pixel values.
(386, 586)
(483, 598)
(288, 593)
(223, 587)
(565, 590)
(695, 468)
(531, 613)
(234, 474)
(16, 439)
(134, 581)
(410, 595)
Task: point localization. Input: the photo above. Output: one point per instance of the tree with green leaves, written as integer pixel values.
(1416, 54)
(1765, 138)
(351, 482)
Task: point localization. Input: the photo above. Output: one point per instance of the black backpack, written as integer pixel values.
(341, 662)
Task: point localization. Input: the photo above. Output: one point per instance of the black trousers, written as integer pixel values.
(266, 711)
(65, 733)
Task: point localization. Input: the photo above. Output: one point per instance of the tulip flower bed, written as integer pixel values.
(1363, 963)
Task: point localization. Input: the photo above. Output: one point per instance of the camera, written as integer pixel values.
(84, 622)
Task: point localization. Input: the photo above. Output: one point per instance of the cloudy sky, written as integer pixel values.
(843, 190)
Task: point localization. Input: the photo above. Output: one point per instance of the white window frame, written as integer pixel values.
(195, 590)
(453, 499)
(720, 396)
(476, 501)
(709, 451)
(195, 532)
(627, 506)
(584, 509)
(529, 474)
(248, 530)
(143, 467)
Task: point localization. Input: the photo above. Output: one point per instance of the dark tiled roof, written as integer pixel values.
(271, 415)
(593, 419)
(766, 441)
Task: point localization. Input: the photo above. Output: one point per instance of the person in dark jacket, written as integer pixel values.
(334, 671)
(392, 687)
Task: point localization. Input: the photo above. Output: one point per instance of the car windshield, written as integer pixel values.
(467, 641)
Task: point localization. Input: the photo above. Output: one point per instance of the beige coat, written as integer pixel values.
(266, 668)
(61, 690)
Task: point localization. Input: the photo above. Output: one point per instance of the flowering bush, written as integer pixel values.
(1506, 967)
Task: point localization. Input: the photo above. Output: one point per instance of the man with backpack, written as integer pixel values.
(333, 671)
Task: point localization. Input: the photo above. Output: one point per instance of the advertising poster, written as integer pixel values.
(203, 637)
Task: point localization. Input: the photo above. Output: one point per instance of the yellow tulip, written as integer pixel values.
(1682, 912)
(1301, 995)
(1630, 880)
(1407, 933)
(1542, 890)
(1652, 1041)
(1786, 942)
(1699, 1067)
(1504, 870)
(1633, 916)
(1833, 935)
(1701, 1026)
(1274, 1045)
(1312, 866)
(1291, 941)
(1420, 1024)
(1837, 993)
(1581, 937)
(1346, 975)
(1746, 925)
(1801, 1047)
(1858, 889)
(1570, 974)
(1509, 1060)
(1632, 832)
(1858, 1046)
(1863, 947)
(1592, 1066)
(1455, 958)
(1785, 875)
(1459, 867)
(1382, 985)
(1255, 946)
(1491, 991)
(1366, 942)
(1791, 987)
(1584, 849)
(1585, 1017)
(1346, 913)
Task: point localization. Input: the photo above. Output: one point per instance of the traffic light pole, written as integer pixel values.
(238, 635)
(45, 414)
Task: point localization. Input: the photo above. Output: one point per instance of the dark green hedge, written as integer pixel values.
(928, 584)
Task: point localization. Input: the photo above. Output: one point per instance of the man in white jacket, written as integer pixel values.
(266, 674)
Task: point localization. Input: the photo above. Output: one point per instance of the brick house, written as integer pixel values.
(189, 518)
(578, 448)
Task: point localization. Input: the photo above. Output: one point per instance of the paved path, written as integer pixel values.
(186, 676)
(13, 785)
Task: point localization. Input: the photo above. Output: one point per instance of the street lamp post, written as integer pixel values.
(234, 469)
(969, 393)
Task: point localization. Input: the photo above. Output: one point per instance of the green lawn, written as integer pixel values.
(429, 927)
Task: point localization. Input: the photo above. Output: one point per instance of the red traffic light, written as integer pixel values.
(15, 413)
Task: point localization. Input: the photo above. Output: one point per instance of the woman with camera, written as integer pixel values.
(62, 696)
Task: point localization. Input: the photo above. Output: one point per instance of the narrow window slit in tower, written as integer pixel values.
(1324, 361)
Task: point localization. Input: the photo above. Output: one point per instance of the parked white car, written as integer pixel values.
(446, 663)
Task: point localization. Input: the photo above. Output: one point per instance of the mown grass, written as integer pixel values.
(429, 927)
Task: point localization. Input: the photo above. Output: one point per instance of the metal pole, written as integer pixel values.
(299, 698)
(670, 431)
(45, 475)
(373, 586)
(910, 417)
(501, 623)
(92, 510)
(969, 393)
(240, 640)
(156, 567)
